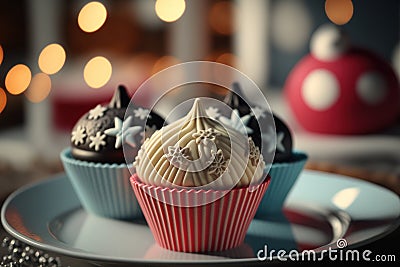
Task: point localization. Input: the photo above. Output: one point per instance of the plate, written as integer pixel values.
(322, 211)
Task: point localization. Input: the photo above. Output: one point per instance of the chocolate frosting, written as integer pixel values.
(284, 144)
(99, 135)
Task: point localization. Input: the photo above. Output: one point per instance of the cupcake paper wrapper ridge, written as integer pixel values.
(283, 177)
(219, 225)
(103, 189)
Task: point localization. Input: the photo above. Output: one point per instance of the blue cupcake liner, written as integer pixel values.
(103, 189)
(283, 177)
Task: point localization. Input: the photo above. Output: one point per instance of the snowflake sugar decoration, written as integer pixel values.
(178, 156)
(205, 135)
(97, 112)
(237, 122)
(142, 113)
(254, 154)
(78, 136)
(279, 139)
(258, 112)
(121, 130)
(269, 140)
(97, 141)
(213, 112)
(219, 165)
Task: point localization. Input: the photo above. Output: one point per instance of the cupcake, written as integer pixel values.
(199, 183)
(95, 162)
(287, 164)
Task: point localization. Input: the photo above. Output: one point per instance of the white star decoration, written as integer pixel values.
(142, 113)
(123, 132)
(258, 112)
(237, 122)
(279, 139)
(177, 156)
(97, 141)
(97, 112)
(271, 143)
(212, 112)
(78, 136)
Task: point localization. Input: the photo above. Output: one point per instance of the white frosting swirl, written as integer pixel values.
(197, 151)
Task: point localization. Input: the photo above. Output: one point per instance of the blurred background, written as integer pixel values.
(60, 58)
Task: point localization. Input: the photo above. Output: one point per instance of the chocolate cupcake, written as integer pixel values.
(95, 161)
(287, 163)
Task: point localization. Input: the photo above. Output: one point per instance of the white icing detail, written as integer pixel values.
(142, 113)
(129, 135)
(97, 141)
(279, 139)
(78, 136)
(269, 140)
(205, 136)
(371, 88)
(328, 43)
(219, 165)
(254, 154)
(258, 112)
(97, 112)
(119, 131)
(213, 112)
(238, 123)
(320, 89)
(178, 156)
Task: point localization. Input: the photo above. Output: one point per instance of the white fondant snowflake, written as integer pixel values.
(97, 141)
(79, 135)
(213, 112)
(254, 154)
(205, 135)
(258, 112)
(279, 139)
(178, 156)
(130, 133)
(97, 112)
(142, 113)
(237, 122)
(269, 139)
(219, 164)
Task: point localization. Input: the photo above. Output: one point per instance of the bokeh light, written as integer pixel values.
(227, 59)
(18, 79)
(39, 88)
(1, 54)
(339, 11)
(52, 59)
(163, 63)
(170, 10)
(97, 72)
(92, 16)
(3, 99)
(221, 17)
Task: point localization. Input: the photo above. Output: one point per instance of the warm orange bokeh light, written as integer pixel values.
(18, 79)
(39, 88)
(227, 59)
(339, 11)
(3, 99)
(92, 16)
(164, 62)
(1, 54)
(52, 59)
(97, 72)
(170, 10)
(221, 17)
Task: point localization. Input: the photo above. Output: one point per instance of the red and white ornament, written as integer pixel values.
(342, 89)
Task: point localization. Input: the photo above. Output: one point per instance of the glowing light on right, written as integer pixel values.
(339, 11)
(18, 79)
(97, 72)
(170, 10)
(92, 16)
(39, 88)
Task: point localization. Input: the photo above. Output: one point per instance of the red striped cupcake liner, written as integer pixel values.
(219, 225)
